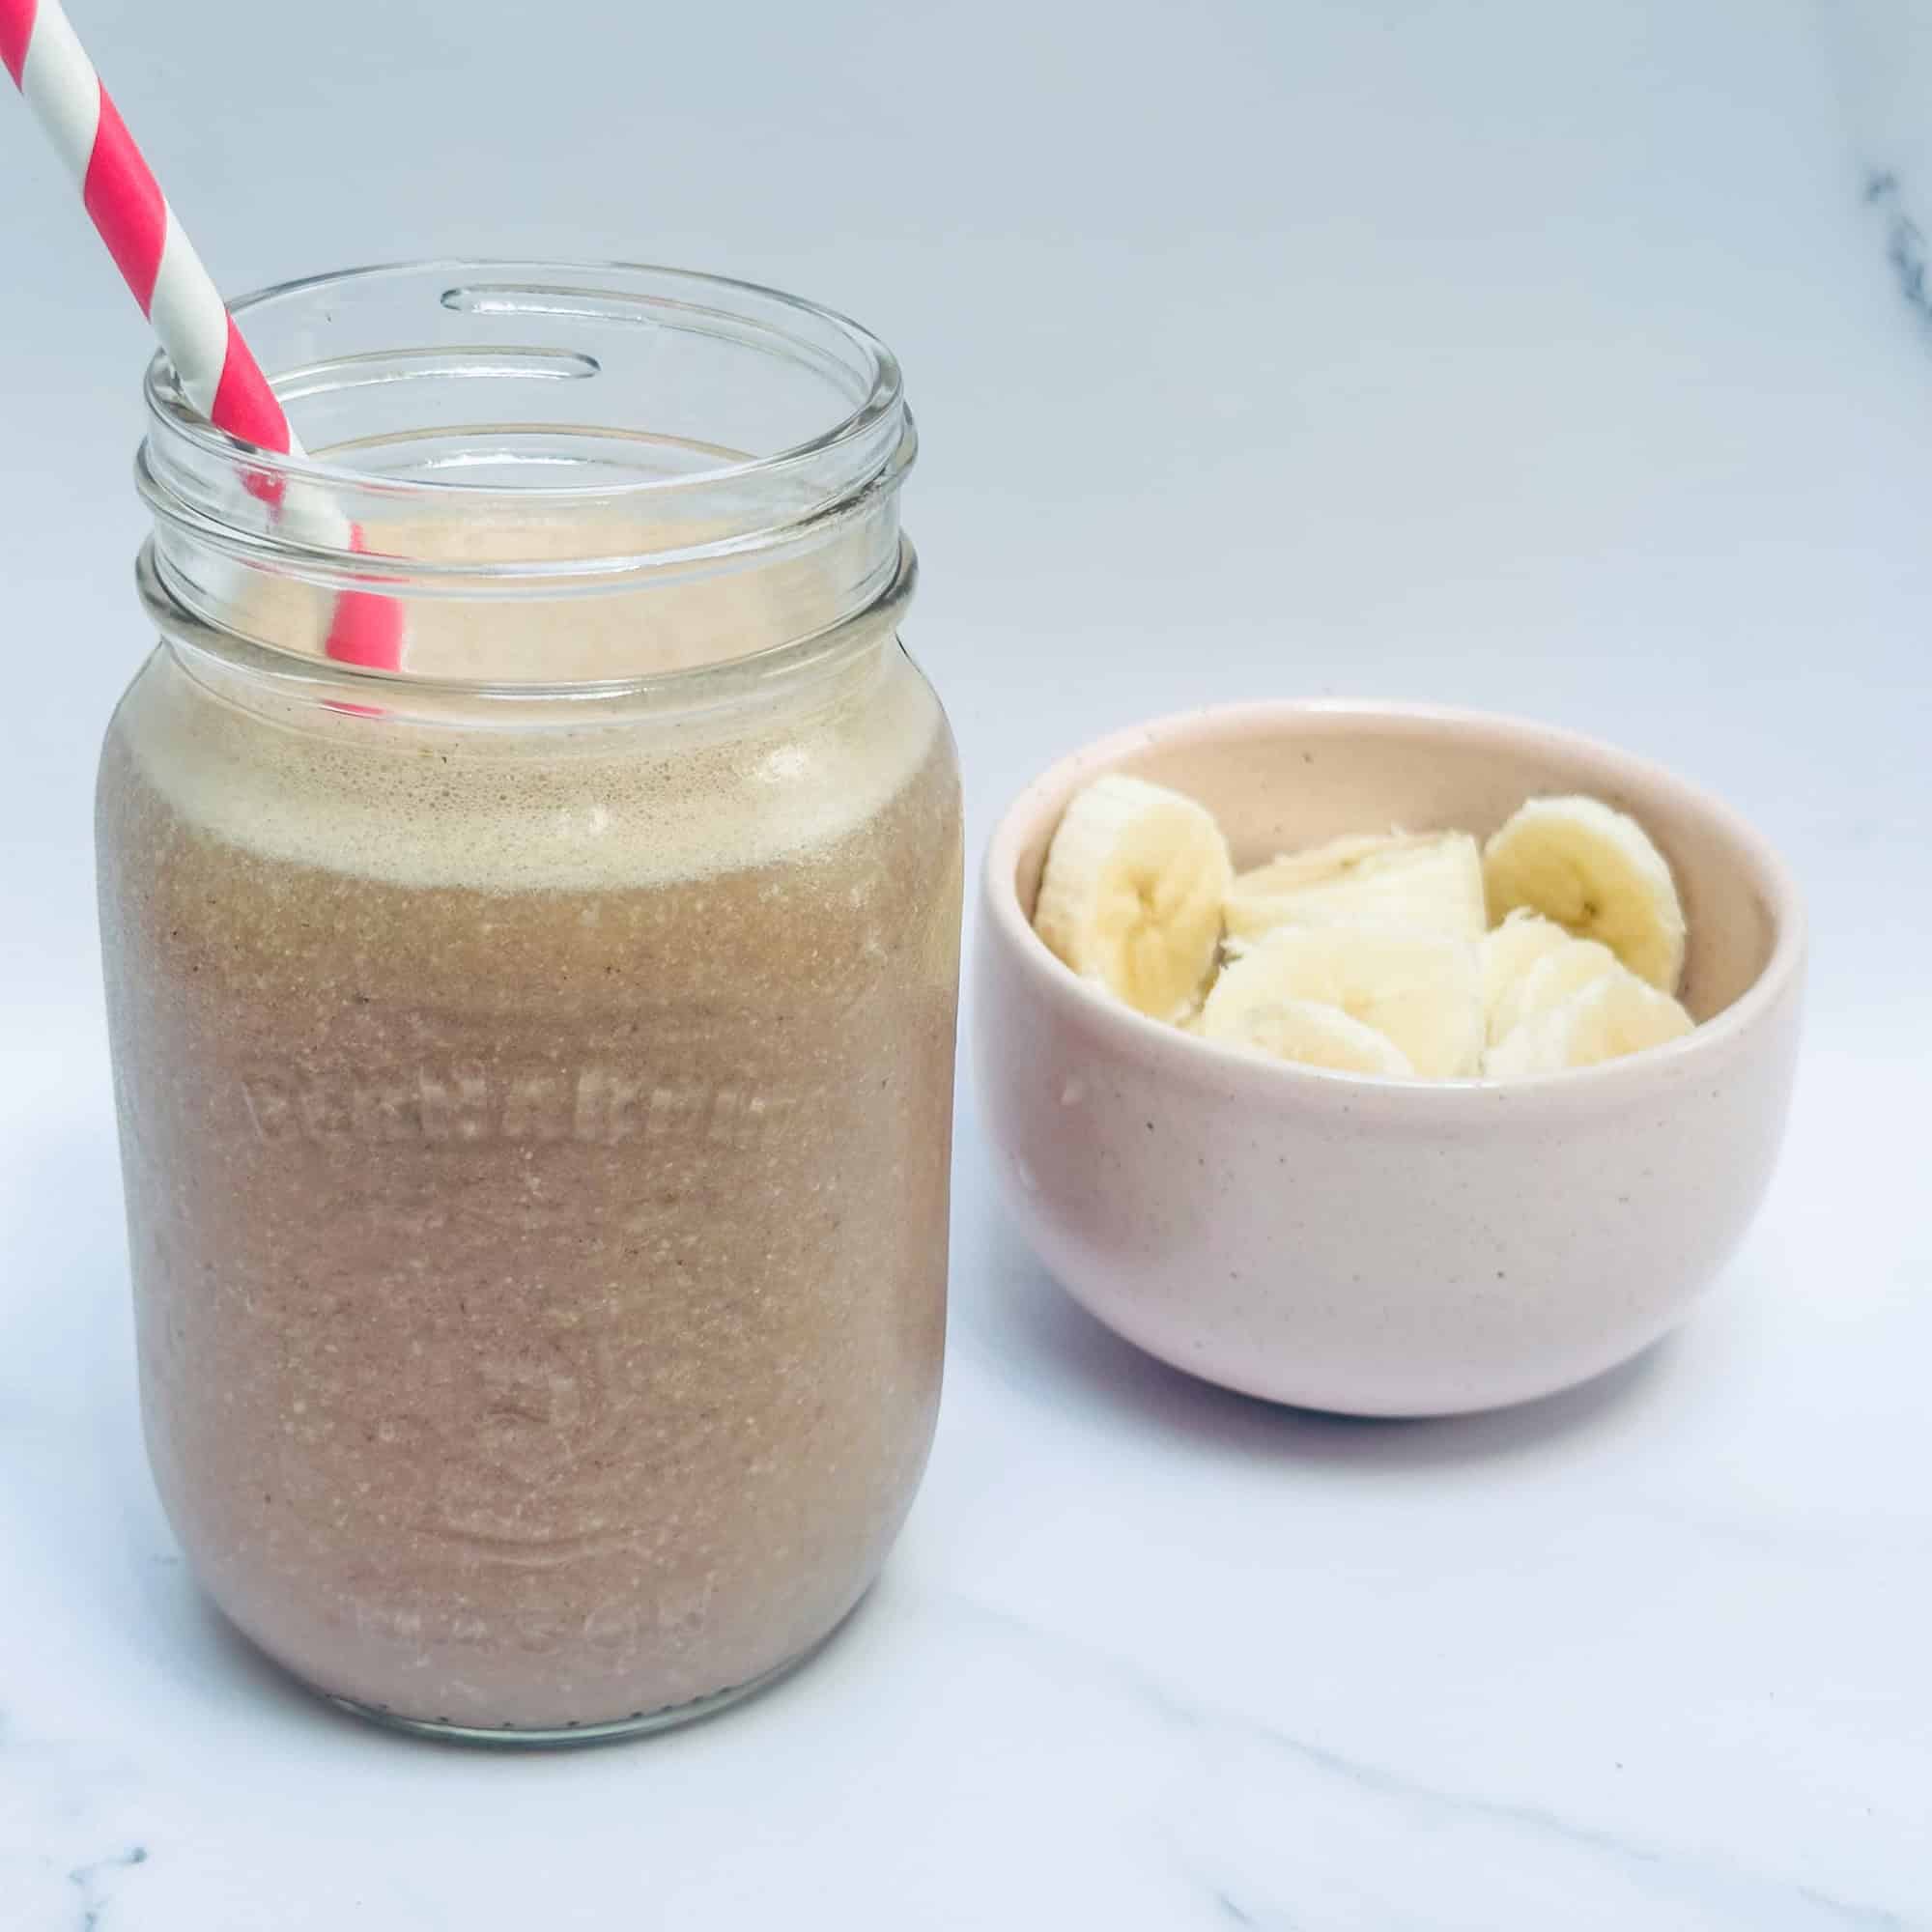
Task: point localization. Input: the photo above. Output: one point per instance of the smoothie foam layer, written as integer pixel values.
(569, 809)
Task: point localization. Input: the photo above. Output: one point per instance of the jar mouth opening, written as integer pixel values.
(574, 416)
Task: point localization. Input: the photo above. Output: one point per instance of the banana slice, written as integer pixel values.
(1613, 1015)
(1416, 989)
(1596, 873)
(1318, 864)
(1398, 883)
(1131, 893)
(1558, 974)
(1310, 1034)
(1509, 953)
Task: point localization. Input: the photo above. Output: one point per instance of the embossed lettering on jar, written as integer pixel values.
(534, 1065)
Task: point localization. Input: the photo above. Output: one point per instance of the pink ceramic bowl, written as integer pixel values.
(1383, 1247)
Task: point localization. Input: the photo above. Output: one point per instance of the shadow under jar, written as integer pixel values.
(535, 1063)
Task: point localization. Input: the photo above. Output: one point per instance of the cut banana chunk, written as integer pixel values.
(1613, 1015)
(1596, 873)
(1571, 967)
(1321, 865)
(1132, 893)
(1311, 1034)
(1417, 990)
(1509, 953)
(1429, 883)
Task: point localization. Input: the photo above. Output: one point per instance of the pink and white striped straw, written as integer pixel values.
(220, 376)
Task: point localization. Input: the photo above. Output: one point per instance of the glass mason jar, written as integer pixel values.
(534, 1063)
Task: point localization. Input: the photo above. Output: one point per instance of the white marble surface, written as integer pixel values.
(1557, 358)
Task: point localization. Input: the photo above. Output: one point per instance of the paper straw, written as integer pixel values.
(219, 375)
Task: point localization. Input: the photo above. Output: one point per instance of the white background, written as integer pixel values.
(1570, 361)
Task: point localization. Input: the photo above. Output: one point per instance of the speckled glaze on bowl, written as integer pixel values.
(1371, 1246)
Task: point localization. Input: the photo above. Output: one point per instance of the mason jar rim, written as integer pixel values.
(732, 427)
(170, 413)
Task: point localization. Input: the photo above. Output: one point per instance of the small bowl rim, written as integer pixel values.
(1191, 1057)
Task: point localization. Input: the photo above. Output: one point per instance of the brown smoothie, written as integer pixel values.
(537, 1163)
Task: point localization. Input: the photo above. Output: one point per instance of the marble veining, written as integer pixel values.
(72, 1833)
(97, 1881)
(1669, 1874)
(1904, 241)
